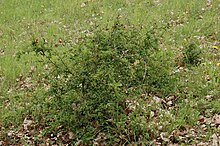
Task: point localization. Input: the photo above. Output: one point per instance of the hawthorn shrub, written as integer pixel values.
(91, 82)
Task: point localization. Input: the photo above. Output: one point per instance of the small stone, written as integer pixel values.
(82, 5)
(208, 96)
(10, 133)
(170, 103)
(200, 17)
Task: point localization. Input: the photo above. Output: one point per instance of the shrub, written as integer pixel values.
(103, 70)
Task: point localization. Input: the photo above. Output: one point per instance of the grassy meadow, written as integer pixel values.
(110, 72)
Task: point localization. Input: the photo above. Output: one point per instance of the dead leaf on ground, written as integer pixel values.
(27, 123)
(216, 120)
(215, 140)
(202, 119)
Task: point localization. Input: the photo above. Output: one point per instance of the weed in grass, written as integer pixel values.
(192, 55)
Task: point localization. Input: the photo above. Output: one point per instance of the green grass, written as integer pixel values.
(177, 24)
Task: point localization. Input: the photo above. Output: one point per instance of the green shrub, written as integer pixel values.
(103, 70)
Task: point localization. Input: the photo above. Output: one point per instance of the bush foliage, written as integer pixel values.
(91, 82)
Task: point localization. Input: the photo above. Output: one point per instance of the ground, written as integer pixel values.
(187, 117)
